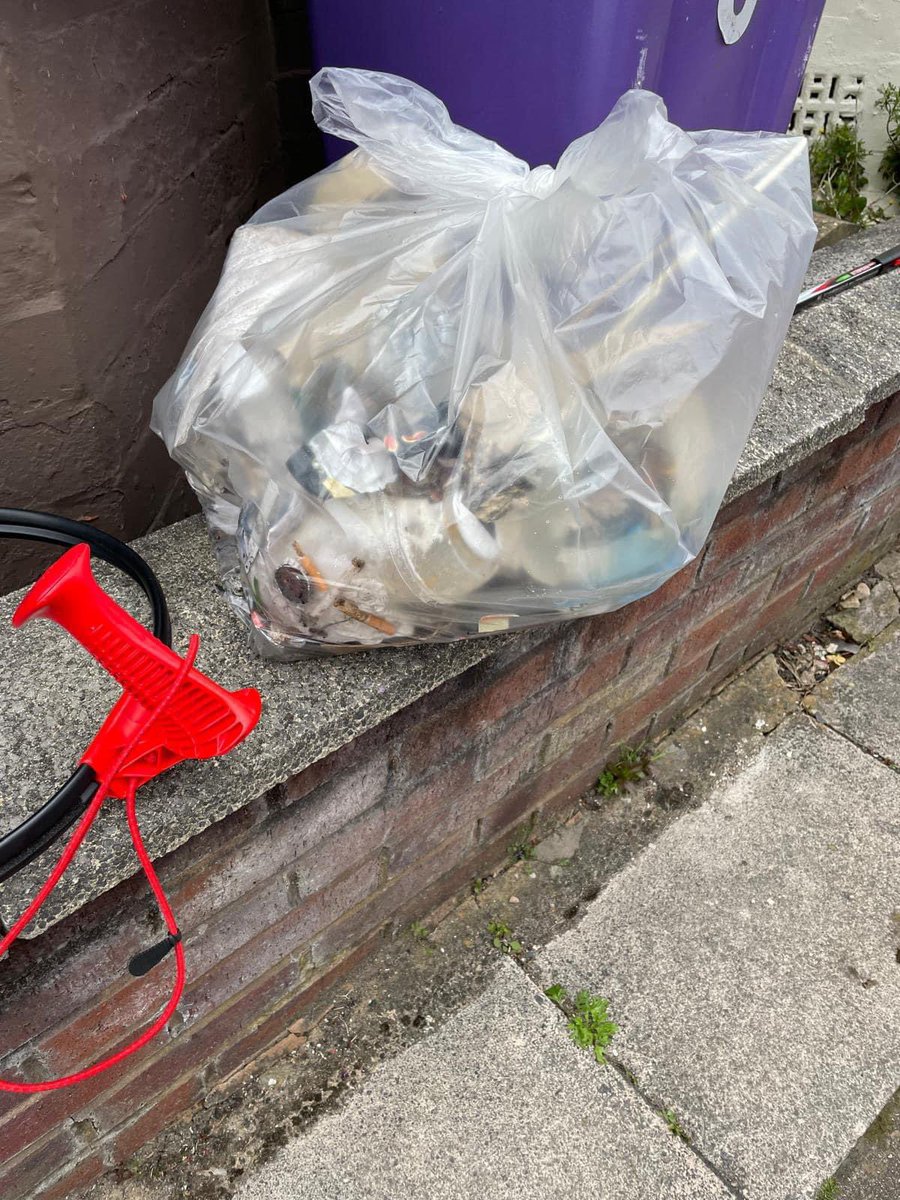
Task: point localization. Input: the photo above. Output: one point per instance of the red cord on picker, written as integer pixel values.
(168, 712)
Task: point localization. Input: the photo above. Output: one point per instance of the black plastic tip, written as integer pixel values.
(147, 959)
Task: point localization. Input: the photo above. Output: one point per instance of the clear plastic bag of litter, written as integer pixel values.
(437, 394)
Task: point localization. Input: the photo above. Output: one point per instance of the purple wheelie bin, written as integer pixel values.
(535, 74)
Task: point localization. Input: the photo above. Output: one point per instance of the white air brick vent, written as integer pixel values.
(826, 98)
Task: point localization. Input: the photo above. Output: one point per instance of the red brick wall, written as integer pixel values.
(281, 899)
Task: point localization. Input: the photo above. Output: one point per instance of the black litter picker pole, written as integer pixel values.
(878, 265)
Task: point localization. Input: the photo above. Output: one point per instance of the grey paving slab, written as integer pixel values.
(499, 1104)
(750, 958)
(862, 699)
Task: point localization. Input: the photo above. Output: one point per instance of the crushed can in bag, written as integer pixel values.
(437, 394)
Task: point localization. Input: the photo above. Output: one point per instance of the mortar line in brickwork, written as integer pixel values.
(221, 1010)
(169, 1050)
(271, 972)
(630, 646)
(875, 543)
(189, 73)
(12, 1161)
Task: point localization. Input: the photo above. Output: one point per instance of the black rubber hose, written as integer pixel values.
(60, 531)
(39, 831)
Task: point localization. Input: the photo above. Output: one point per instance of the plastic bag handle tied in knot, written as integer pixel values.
(409, 135)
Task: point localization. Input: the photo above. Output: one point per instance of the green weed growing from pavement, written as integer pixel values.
(828, 1190)
(675, 1127)
(502, 938)
(590, 1025)
(522, 849)
(631, 766)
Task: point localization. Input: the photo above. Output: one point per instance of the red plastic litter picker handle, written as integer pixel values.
(201, 720)
(168, 712)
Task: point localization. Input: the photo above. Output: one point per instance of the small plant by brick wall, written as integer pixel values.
(284, 897)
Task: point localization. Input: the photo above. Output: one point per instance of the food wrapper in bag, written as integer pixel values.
(437, 394)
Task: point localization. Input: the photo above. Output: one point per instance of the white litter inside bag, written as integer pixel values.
(438, 394)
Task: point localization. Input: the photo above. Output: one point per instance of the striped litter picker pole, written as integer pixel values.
(869, 270)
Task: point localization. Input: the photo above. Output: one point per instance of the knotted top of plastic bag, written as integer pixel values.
(408, 133)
